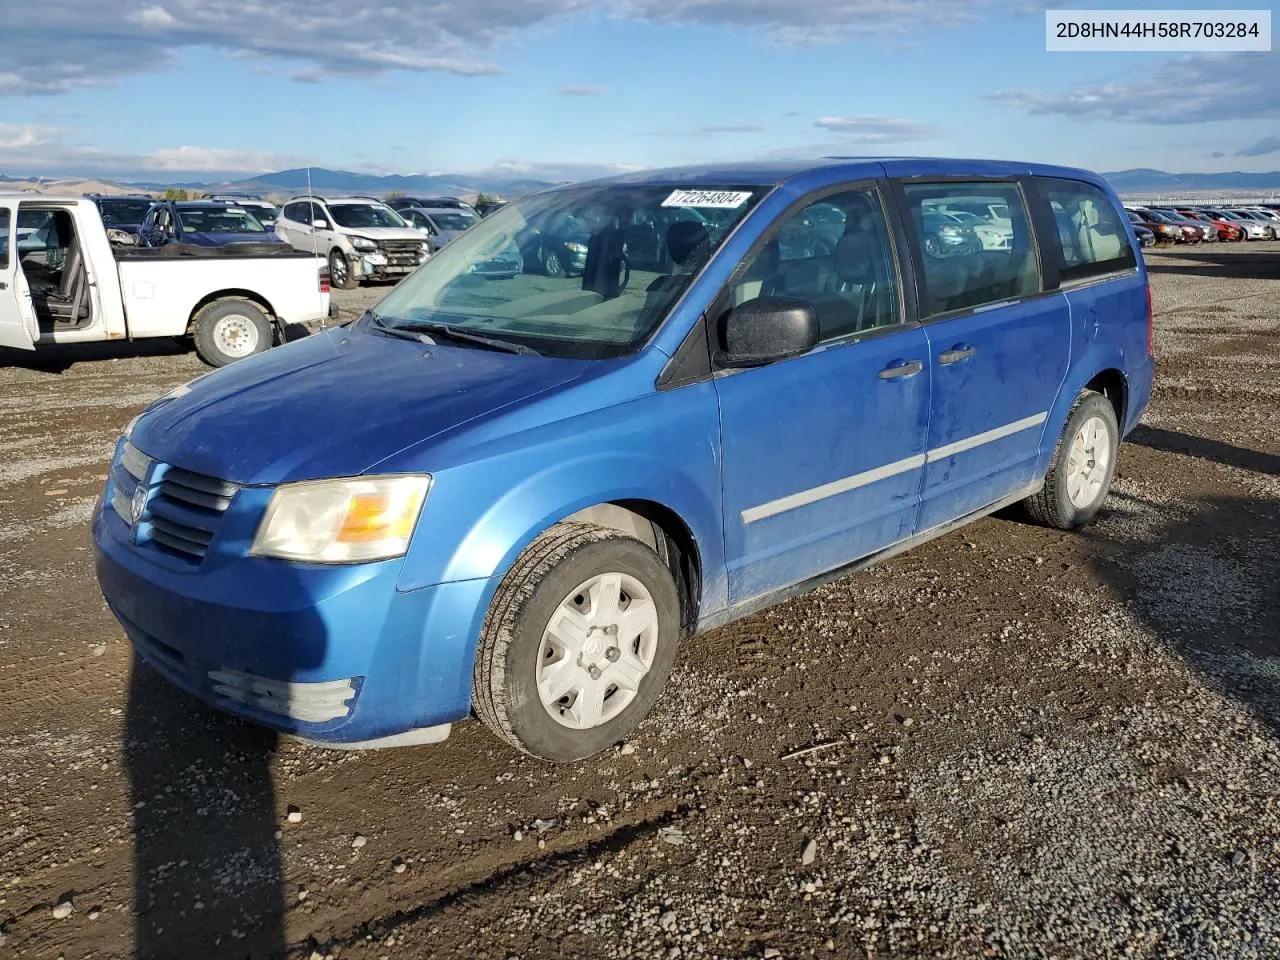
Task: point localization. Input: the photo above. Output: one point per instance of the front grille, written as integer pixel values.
(401, 253)
(186, 510)
(183, 510)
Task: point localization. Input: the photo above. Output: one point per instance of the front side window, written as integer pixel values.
(1091, 236)
(563, 272)
(356, 215)
(5, 242)
(834, 253)
(966, 263)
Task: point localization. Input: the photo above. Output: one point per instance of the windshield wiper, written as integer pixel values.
(414, 330)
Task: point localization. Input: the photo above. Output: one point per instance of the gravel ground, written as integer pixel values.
(1012, 742)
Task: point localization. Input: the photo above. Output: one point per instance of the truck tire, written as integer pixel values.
(341, 276)
(229, 330)
(1082, 467)
(578, 642)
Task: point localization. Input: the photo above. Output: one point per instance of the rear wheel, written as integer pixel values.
(1082, 468)
(578, 643)
(230, 330)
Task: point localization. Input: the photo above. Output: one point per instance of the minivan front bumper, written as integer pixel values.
(336, 655)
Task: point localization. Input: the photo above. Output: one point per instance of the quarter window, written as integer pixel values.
(4, 239)
(1091, 237)
(834, 253)
(976, 243)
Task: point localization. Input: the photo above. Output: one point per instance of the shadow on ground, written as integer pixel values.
(1220, 265)
(1205, 581)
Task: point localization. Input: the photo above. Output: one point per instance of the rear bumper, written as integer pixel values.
(335, 655)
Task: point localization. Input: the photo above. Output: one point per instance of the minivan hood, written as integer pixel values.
(335, 404)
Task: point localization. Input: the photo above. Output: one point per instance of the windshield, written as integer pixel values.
(453, 221)
(263, 211)
(597, 267)
(123, 211)
(365, 215)
(218, 220)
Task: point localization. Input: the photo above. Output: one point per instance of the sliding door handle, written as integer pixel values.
(903, 369)
(956, 354)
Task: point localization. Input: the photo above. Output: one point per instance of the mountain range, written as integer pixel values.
(512, 184)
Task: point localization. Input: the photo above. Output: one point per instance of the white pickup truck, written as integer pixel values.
(62, 281)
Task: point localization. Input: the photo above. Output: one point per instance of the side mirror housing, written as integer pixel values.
(767, 329)
(320, 224)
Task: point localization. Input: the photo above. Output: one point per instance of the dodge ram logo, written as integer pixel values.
(139, 502)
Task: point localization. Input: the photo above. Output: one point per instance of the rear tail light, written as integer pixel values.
(324, 279)
(1151, 324)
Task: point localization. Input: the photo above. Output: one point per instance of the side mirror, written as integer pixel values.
(767, 329)
(320, 224)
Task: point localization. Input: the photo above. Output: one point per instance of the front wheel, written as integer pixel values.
(1083, 465)
(552, 265)
(340, 274)
(578, 643)
(230, 330)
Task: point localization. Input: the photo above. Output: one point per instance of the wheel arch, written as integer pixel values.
(230, 294)
(1100, 369)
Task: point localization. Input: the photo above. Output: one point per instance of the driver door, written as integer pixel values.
(17, 321)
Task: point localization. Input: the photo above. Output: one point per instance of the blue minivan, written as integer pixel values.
(518, 495)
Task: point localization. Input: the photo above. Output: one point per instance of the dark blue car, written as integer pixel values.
(202, 223)
(521, 494)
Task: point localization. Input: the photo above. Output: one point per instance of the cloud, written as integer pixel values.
(1189, 89)
(47, 151)
(878, 129)
(1260, 149)
(582, 90)
(52, 48)
(1217, 155)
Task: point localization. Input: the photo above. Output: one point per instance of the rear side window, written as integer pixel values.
(975, 240)
(1091, 234)
(4, 239)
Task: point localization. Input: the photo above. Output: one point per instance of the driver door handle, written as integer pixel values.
(3, 285)
(908, 369)
(956, 354)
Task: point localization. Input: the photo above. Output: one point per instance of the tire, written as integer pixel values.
(552, 265)
(516, 645)
(341, 276)
(1064, 503)
(229, 330)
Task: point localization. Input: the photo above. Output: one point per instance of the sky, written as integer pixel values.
(214, 89)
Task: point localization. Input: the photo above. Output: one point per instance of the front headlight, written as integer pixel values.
(342, 521)
(363, 243)
(576, 247)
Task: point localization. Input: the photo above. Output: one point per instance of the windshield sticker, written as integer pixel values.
(720, 199)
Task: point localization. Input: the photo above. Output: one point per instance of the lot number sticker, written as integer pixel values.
(720, 199)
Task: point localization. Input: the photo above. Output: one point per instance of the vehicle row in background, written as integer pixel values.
(1197, 223)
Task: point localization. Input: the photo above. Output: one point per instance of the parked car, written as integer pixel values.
(363, 238)
(439, 226)
(123, 215)
(1253, 229)
(202, 223)
(1269, 216)
(944, 236)
(266, 212)
(1200, 231)
(1146, 237)
(432, 203)
(1161, 229)
(69, 284)
(523, 497)
(555, 245)
(1178, 231)
(1226, 230)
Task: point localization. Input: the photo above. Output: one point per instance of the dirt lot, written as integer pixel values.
(1027, 743)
